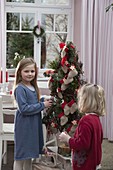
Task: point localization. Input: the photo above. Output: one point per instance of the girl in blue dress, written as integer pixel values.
(28, 122)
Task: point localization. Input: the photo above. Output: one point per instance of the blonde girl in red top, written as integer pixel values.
(86, 144)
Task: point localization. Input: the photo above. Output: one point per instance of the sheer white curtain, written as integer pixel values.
(96, 52)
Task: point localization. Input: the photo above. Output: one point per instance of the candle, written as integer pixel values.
(10, 92)
(1, 75)
(6, 75)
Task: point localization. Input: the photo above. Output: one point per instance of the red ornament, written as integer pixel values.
(66, 49)
(62, 81)
(51, 79)
(62, 45)
(64, 59)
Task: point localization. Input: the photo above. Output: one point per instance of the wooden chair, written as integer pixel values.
(6, 129)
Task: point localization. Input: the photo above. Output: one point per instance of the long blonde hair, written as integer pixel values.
(21, 65)
(91, 99)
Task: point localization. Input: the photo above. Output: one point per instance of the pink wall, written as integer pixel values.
(77, 24)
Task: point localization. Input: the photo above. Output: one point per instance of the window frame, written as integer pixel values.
(38, 3)
(39, 9)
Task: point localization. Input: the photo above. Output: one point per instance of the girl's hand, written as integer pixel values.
(49, 98)
(64, 137)
(48, 103)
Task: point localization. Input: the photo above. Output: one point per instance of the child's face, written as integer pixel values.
(28, 73)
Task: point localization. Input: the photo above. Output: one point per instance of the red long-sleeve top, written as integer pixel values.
(87, 143)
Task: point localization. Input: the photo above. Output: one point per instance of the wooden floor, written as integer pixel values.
(41, 167)
(9, 165)
(107, 160)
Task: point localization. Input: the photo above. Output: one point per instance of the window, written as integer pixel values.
(19, 37)
(56, 32)
(20, 21)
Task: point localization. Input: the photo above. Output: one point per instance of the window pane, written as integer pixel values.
(27, 21)
(66, 2)
(27, 1)
(13, 0)
(13, 21)
(48, 1)
(21, 43)
(61, 23)
(58, 2)
(51, 45)
(48, 22)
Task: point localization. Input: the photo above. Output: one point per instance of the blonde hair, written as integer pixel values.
(21, 65)
(91, 99)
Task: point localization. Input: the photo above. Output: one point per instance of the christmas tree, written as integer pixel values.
(65, 79)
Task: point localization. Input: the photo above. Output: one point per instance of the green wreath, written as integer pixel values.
(41, 31)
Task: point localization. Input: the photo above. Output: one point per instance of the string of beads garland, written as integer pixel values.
(42, 31)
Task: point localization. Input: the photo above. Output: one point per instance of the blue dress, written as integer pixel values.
(28, 124)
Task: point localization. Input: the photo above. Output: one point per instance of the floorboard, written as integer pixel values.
(107, 157)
